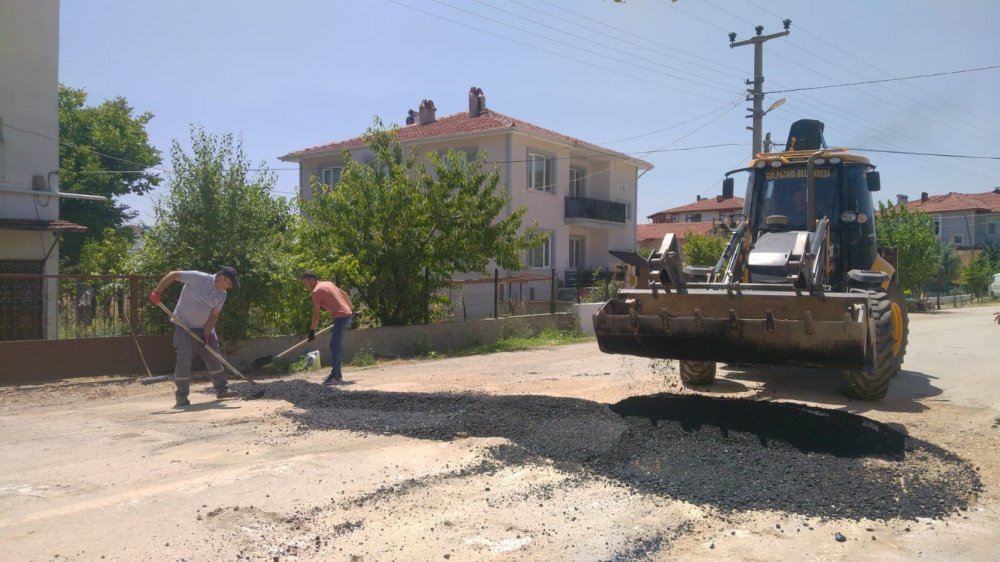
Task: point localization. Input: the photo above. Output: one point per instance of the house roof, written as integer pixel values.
(36, 224)
(707, 204)
(461, 124)
(657, 230)
(989, 201)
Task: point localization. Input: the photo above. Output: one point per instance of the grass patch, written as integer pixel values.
(521, 342)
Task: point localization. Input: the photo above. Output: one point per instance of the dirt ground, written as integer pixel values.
(106, 469)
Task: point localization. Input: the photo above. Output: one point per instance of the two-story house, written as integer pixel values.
(963, 220)
(582, 195)
(29, 167)
(707, 209)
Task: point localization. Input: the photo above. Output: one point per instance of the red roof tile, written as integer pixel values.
(457, 124)
(706, 204)
(35, 224)
(952, 201)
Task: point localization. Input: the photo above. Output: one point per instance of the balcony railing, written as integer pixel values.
(596, 210)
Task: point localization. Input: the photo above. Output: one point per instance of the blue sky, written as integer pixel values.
(654, 78)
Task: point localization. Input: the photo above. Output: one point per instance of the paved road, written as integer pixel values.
(374, 470)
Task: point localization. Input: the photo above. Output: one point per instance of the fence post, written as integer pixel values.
(578, 286)
(427, 296)
(496, 289)
(552, 292)
(133, 302)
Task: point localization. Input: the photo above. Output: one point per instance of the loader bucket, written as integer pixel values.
(766, 327)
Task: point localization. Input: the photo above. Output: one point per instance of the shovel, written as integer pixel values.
(256, 393)
(267, 359)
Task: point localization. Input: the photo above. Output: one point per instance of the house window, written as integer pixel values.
(956, 239)
(993, 228)
(577, 182)
(540, 256)
(470, 153)
(937, 226)
(692, 217)
(577, 249)
(331, 176)
(541, 169)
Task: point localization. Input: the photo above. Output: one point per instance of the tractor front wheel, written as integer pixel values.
(891, 329)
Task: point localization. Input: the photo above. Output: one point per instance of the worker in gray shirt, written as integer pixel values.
(198, 307)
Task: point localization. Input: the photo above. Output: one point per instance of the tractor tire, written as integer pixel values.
(891, 330)
(698, 373)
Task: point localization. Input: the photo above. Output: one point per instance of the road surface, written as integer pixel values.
(550, 454)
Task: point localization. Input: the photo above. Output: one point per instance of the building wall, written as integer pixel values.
(29, 149)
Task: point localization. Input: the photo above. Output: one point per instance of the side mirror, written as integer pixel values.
(727, 188)
(874, 181)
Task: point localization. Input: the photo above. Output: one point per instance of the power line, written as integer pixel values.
(884, 80)
(545, 50)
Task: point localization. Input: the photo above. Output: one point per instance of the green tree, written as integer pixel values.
(389, 221)
(949, 266)
(976, 274)
(110, 254)
(216, 214)
(103, 150)
(912, 235)
(703, 249)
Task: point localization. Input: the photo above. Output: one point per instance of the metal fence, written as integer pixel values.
(37, 306)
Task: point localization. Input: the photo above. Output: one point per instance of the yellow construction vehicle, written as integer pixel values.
(801, 281)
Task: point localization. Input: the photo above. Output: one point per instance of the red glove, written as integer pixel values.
(155, 297)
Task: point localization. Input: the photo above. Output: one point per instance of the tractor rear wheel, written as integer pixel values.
(891, 328)
(697, 372)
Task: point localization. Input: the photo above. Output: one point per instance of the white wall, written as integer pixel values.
(29, 108)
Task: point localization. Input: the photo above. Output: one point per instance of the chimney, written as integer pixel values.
(477, 101)
(902, 198)
(698, 198)
(426, 113)
(923, 197)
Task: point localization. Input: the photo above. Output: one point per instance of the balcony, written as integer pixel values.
(582, 210)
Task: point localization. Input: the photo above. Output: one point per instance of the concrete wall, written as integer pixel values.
(39, 361)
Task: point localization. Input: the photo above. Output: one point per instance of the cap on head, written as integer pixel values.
(230, 272)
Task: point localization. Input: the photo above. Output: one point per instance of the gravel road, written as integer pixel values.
(560, 453)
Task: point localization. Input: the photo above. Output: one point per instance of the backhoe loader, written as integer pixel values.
(801, 281)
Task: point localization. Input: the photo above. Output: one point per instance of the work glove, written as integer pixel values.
(312, 335)
(155, 297)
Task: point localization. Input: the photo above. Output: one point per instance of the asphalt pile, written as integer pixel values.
(731, 455)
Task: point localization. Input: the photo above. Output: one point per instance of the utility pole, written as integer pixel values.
(757, 92)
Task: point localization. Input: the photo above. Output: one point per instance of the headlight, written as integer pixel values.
(848, 216)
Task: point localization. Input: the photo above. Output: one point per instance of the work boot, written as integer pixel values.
(331, 380)
(182, 401)
(226, 393)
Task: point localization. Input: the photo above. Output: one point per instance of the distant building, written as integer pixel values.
(708, 209)
(963, 220)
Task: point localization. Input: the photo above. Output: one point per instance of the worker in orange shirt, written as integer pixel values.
(336, 301)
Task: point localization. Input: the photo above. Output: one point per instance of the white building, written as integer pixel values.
(581, 194)
(29, 166)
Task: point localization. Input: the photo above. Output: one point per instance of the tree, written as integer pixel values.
(912, 235)
(703, 249)
(216, 214)
(976, 274)
(949, 266)
(103, 150)
(389, 223)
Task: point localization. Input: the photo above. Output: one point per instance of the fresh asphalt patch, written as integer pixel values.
(730, 455)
